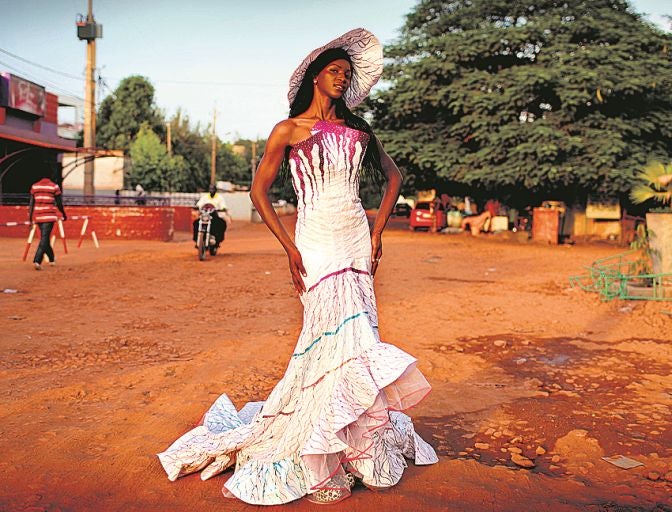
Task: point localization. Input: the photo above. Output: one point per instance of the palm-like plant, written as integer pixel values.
(655, 182)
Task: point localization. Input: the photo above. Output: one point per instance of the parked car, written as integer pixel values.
(401, 210)
(428, 214)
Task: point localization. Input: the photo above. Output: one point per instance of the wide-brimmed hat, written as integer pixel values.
(366, 57)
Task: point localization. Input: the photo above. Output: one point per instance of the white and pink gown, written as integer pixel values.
(337, 408)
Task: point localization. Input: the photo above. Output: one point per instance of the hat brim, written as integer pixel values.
(366, 56)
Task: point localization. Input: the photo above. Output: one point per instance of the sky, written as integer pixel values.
(232, 56)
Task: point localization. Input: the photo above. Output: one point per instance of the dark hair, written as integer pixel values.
(45, 161)
(304, 96)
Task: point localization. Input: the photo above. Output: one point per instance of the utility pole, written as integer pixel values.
(169, 141)
(88, 30)
(213, 169)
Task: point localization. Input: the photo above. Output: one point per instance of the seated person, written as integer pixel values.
(493, 206)
(219, 224)
(470, 207)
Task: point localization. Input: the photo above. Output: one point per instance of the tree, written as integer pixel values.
(129, 119)
(121, 114)
(231, 167)
(244, 151)
(190, 143)
(557, 97)
(152, 167)
(194, 145)
(246, 145)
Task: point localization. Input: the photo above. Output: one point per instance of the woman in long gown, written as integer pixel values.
(335, 415)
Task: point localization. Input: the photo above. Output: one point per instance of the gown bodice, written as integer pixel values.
(332, 230)
(326, 166)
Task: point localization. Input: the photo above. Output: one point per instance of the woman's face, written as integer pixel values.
(335, 78)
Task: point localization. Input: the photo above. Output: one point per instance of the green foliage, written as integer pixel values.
(194, 144)
(654, 184)
(282, 186)
(370, 192)
(535, 98)
(642, 265)
(152, 167)
(128, 119)
(190, 143)
(247, 148)
(231, 167)
(121, 114)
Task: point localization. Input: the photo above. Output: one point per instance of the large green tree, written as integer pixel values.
(152, 166)
(188, 141)
(194, 144)
(122, 113)
(527, 98)
(231, 167)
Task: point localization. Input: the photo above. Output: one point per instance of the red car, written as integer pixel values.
(427, 214)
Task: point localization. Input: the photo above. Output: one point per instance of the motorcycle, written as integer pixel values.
(206, 241)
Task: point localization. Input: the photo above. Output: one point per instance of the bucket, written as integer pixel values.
(454, 219)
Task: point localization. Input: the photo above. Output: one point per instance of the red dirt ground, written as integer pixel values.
(111, 355)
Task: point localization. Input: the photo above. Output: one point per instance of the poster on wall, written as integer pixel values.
(21, 94)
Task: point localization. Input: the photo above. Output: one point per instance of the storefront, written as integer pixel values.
(30, 146)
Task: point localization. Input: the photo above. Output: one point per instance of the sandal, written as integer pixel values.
(337, 489)
(328, 496)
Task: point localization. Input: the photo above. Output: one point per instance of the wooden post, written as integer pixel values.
(213, 169)
(90, 108)
(169, 141)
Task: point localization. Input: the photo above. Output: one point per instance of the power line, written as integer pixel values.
(173, 82)
(62, 73)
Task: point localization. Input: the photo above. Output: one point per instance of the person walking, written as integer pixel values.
(45, 202)
(335, 415)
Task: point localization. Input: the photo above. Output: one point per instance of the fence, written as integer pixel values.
(99, 200)
(14, 207)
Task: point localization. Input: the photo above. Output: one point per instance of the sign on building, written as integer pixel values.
(21, 94)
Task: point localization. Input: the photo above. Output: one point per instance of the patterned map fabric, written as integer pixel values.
(337, 407)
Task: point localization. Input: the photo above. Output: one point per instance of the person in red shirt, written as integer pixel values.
(45, 198)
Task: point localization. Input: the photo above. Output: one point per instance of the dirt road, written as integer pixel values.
(112, 354)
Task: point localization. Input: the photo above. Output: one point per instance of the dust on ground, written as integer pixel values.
(112, 354)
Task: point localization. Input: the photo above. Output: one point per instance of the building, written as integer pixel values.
(30, 144)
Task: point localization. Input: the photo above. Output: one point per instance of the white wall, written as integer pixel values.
(108, 173)
(239, 205)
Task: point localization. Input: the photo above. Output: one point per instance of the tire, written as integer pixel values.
(202, 247)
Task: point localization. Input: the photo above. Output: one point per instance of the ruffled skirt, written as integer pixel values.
(336, 409)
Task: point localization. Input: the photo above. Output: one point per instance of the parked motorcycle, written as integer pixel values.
(205, 240)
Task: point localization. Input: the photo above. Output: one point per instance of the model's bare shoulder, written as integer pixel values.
(282, 132)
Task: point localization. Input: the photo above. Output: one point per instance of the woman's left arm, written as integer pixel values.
(393, 186)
